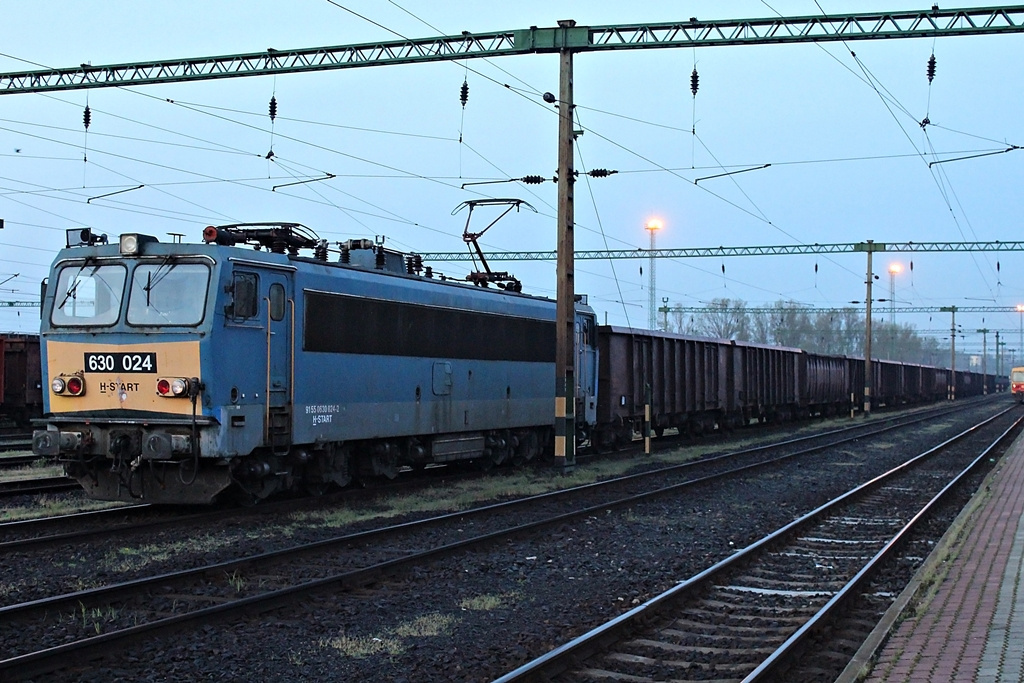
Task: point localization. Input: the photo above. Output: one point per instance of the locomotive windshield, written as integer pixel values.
(88, 295)
(1017, 375)
(168, 294)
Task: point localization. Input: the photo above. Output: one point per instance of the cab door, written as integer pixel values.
(586, 367)
(278, 306)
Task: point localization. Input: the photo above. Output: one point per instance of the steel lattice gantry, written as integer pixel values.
(933, 23)
(816, 310)
(704, 252)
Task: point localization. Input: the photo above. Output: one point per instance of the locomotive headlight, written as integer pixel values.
(179, 387)
(129, 245)
(58, 385)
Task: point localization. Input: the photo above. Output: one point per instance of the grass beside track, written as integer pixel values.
(53, 506)
(451, 496)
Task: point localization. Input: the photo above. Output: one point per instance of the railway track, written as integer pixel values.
(142, 608)
(753, 615)
(21, 487)
(12, 461)
(88, 527)
(15, 442)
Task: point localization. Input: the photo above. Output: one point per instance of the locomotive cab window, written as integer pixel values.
(168, 293)
(276, 301)
(245, 303)
(88, 295)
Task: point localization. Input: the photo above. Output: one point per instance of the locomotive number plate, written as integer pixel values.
(120, 362)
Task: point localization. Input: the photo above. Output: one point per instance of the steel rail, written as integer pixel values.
(814, 626)
(213, 514)
(43, 524)
(14, 441)
(596, 640)
(8, 461)
(20, 487)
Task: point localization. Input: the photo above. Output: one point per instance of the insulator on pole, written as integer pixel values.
(273, 108)
(532, 179)
(601, 173)
(87, 117)
(464, 93)
(694, 81)
(931, 67)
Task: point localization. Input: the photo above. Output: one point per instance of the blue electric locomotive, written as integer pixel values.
(180, 373)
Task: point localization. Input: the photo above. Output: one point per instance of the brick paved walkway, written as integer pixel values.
(971, 629)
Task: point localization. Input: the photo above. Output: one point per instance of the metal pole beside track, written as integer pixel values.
(951, 395)
(868, 376)
(984, 358)
(647, 419)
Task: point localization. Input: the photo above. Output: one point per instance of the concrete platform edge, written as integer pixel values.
(916, 593)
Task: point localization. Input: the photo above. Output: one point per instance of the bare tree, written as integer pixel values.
(725, 319)
(839, 333)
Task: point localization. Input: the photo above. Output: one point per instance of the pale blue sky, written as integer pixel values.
(845, 165)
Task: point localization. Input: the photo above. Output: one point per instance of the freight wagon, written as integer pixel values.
(21, 394)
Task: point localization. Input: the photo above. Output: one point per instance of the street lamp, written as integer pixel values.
(653, 226)
(1020, 311)
(894, 269)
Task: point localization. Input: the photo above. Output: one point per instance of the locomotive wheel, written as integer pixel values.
(486, 462)
(603, 441)
(244, 498)
(316, 488)
(527, 449)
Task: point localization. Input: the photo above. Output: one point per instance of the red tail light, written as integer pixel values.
(174, 387)
(76, 385)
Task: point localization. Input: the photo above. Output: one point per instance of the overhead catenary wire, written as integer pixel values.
(327, 202)
(600, 225)
(889, 101)
(403, 176)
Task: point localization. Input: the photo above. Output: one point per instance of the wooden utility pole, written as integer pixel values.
(565, 360)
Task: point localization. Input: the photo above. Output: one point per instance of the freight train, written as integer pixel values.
(21, 391)
(186, 373)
